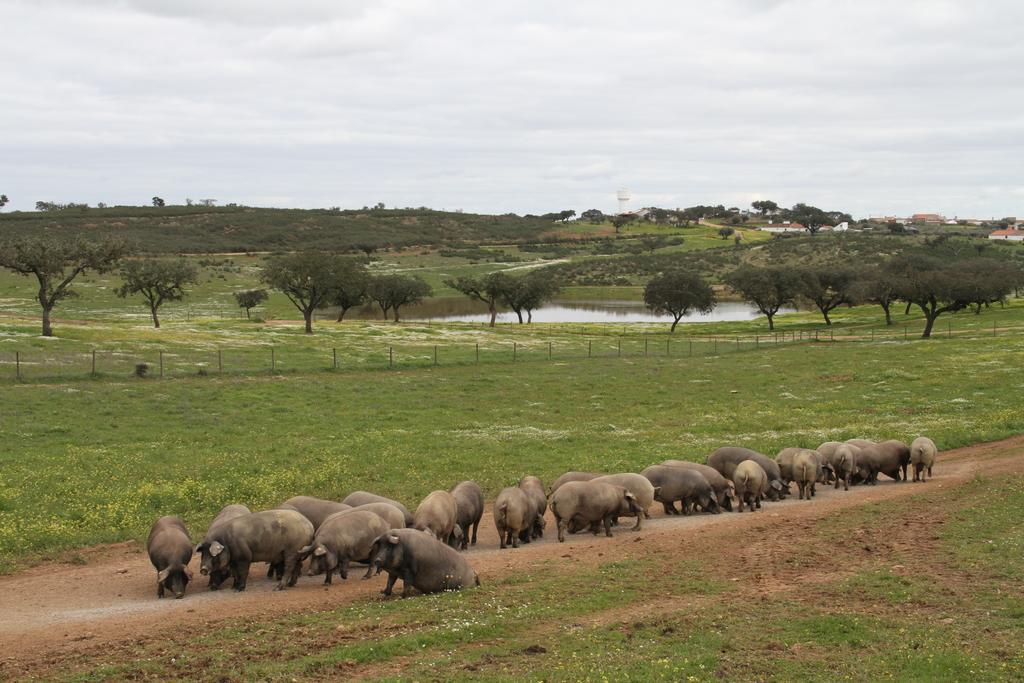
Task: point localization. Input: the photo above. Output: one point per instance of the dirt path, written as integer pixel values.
(60, 611)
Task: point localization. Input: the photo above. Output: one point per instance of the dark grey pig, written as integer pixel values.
(724, 488)
(751, 484)
(421, 561)
(585, 503)
(343, 538)
(726, 459)
(272, 536)
(571, 476)
(357, 498)
(689, 487)
(513, 515)
(534, 489)
(170, 551)
(386, 511)
(437, 514)
(227, 513)
(316, 510)
(470, 501)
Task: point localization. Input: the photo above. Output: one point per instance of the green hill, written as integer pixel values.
(193, 229)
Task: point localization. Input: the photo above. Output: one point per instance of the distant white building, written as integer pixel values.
(782, 227)
(1010, 235)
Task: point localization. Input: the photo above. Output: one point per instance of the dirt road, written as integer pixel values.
(58, 611)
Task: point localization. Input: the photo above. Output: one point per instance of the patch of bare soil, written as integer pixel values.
(59, 614)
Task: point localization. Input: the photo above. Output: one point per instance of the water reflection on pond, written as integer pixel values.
(466, 310)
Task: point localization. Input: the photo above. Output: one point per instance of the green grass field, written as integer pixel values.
(97, 460)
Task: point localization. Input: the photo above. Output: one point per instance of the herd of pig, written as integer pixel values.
(421, 547)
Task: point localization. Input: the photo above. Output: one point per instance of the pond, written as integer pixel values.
(466, 310)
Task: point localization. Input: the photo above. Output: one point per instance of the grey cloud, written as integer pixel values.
(870, 106)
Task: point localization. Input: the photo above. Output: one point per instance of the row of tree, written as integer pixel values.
(309, 280)
(935, 286)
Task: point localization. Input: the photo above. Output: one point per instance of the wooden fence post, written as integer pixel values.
(478, 352)
(590, 348)
(162, 363)
(334, 352)
(17, 365)
(515, 348)
(391, 356)
(435, 354)
(220, 362)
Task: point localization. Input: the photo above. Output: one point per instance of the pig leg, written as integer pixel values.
(476, 526)
(392, 577)
(328, 576)
(293, 567)
(343, 568)
(240, 573)
(159, 589)
(608, 526)
(561, 529)
(407, 582)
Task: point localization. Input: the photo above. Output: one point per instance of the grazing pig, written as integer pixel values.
(437, 515)
(170, 551)
(886, 458)
(386, 511)
(343, 538)
(316, 510)
(825, 471)
(751, 484)
(421, 561)
(724, 488)
(533, 488)
(922, 456)
(896, 451)
(726, 459)
(583, 503)
(689, 487)
(456, 538)
(637, 484)
(513, 514)
(571, 476)
(272, 536)
(844, 463)
(805, 469)
(357, 498)
(470, 502)
(785, 460)
(227, 513)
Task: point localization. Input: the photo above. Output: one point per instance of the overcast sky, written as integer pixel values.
(892, 106)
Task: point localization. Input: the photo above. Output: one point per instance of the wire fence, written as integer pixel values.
(176, 361)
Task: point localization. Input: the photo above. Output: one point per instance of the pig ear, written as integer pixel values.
(657, 489)
(320, 551)
(776, 485)
(163, 574)
(304, 551)
(216, 549)
(199, 549)
(392, 539)
(630, 496)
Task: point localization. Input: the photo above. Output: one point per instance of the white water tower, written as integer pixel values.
(623, 196)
